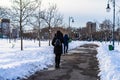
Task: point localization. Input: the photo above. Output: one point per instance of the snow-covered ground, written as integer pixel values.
(16, 64)
(109, 61)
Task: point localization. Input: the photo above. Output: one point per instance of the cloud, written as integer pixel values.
(5, 3)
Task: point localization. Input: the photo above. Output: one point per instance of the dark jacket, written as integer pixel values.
(66, 40)
(58, 49)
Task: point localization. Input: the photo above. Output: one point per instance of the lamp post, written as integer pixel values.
(70, 19)
(108, 9)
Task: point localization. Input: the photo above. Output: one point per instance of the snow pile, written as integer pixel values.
(109, 62)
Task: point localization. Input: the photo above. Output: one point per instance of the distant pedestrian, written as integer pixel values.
(66, 40)
(57, 43)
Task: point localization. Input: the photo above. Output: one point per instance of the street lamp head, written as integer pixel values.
(72, 20)
(108, 8)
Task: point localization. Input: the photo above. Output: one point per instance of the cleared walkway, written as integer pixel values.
(80, 64)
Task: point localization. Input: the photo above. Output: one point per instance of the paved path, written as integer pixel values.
(82, 65)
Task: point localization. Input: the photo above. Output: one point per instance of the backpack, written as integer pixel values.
(58, 43)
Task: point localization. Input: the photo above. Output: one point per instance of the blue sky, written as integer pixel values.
(81, 10)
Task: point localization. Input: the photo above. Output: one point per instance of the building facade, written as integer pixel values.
(4, 28)
(91, 28)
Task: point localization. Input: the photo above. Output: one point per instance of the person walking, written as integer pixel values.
(57, 43)
(66, 40)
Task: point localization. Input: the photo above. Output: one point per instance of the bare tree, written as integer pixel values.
(20, 13)
(3, 12)
(48, 17)
(58, 20)
(106, 29)
(37, 19)
(106, 25)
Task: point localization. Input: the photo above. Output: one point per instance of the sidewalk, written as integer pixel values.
(82, 65)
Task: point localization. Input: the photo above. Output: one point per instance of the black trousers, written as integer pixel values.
(57, 60)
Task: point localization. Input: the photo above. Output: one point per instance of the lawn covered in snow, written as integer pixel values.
(16, 64)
